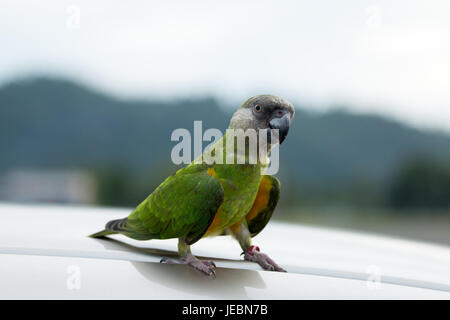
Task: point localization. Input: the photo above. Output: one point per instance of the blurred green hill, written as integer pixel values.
(334, 157)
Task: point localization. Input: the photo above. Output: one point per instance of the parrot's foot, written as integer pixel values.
(262, 259)
(205, 267)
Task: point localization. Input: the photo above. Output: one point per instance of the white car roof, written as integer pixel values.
(45, 253)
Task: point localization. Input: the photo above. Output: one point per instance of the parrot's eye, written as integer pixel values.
(257, 108)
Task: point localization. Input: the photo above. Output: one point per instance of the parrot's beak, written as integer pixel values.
(282, 124)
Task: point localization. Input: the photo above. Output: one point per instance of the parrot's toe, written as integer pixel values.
(205, 267)
(263, 260)
(210, 264)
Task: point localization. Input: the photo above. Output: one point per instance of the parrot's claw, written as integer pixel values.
(262, 259)
(168, 261)
(206, 267)
(209, 263)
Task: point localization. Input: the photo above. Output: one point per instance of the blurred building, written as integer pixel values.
(61, 186)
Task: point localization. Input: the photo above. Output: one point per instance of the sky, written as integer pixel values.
(385, 57)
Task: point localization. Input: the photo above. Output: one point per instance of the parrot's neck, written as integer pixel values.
(233, 150)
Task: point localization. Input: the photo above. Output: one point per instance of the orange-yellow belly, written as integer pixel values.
(222, 220)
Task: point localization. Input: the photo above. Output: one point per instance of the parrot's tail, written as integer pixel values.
(112, 227)
(102, 234)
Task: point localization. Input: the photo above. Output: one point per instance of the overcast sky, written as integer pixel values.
(385, 57)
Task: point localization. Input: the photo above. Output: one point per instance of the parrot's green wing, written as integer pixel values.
(264, 205)
(183, 206)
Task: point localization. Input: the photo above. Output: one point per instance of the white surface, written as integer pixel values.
(40, 245)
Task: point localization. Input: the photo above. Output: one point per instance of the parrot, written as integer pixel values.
(206, 199)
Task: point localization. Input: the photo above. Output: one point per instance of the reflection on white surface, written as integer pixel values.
(38, 243)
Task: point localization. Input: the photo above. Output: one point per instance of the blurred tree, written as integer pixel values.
(421, 183)
(112, 187)
(117, 186)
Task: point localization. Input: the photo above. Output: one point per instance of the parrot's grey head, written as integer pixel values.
(264, 112)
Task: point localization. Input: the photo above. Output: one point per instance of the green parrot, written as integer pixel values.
(219, 198)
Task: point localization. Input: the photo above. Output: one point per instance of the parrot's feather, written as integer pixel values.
(264, 205)
(102, 233)
(183, 206)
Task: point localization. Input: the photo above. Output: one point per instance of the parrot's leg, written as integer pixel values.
(252, 253)
(184, 250)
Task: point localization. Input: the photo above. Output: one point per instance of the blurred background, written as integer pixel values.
(91, 92)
